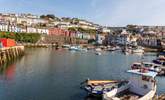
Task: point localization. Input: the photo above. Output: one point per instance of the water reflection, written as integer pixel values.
(7, 71)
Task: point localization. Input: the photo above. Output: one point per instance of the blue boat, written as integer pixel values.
(160, 60)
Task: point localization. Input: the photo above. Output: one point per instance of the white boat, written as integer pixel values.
(127, 51)
(98, 49)
(98, 53)
(138, 50)
(141, 86)
(75, 48)
(112, 49)
(66, 46)
(147, 65)
(84, 50)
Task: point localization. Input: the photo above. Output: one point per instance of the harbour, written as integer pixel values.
(42, 74)
(82, 50)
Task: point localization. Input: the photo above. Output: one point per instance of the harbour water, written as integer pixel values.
(49, 74)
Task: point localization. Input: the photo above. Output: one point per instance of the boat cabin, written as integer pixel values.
(142, 81)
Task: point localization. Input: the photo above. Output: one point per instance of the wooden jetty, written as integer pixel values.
(10, 53)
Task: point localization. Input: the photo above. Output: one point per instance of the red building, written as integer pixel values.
(59, 32)
(7, 42)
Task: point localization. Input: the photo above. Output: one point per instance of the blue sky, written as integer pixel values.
(104, 12)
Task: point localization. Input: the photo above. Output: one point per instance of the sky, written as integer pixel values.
(104, 12)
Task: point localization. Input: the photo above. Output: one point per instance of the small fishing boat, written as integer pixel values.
(141, 86)
(98, 87)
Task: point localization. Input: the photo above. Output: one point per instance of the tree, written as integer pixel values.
(42, 16)
(51, 16)
(132, 28)
(72, 29)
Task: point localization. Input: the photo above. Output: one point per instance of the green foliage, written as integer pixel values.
(21, 37)
(72, 29)
(50, 16)
(90, 31)
(132, 28)
(66, 19)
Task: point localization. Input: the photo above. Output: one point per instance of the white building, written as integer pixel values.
(31, 30)
(106, 30)
(126, 38)
(37, 30)
(30, 21)
(83, 22)
(43, 31)
(3, 27)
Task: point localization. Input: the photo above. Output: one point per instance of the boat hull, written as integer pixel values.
(111, 95)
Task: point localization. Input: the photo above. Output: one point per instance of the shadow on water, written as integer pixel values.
(90, 97)
(7, 70)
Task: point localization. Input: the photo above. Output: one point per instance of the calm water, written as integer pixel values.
(47, 74)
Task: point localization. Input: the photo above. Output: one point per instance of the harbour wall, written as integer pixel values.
(10, 53)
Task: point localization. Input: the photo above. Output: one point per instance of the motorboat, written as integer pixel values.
(112, 49)
(127, 51)
(160, 60)
(141, 86)
(84, 50)
(67, 46)
(75, 48)
(138, 50)
(98, 53)
(147, 65)
(98, 49)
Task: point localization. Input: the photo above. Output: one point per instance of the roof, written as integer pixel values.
(149, 73)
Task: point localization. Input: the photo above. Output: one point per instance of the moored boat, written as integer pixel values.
(141, 86)
(75, 48)
(147, 65)
(98, 53)
(98, 87)
(98, 49)
(138, 50)
(111, 48)
(160, 60)
(127, 51)
(67, 46)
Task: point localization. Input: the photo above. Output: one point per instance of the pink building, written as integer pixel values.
(60, 32)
